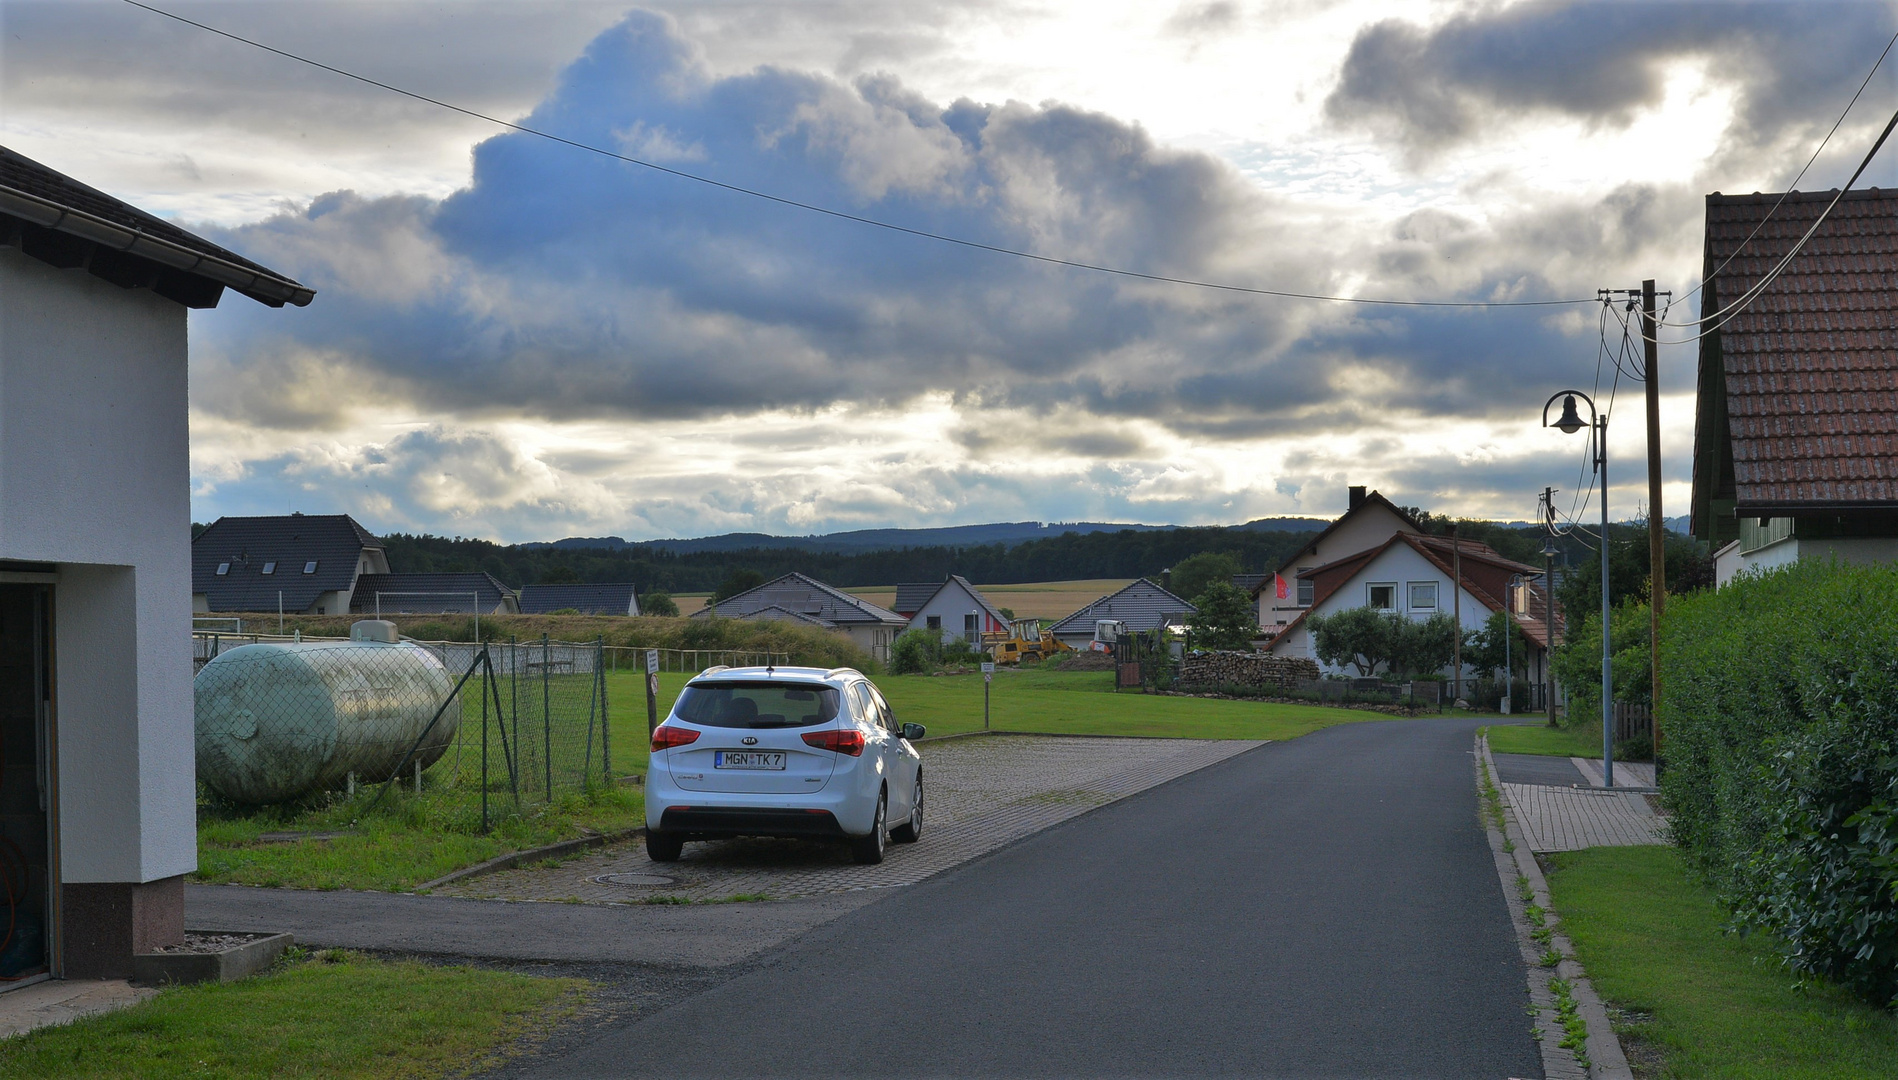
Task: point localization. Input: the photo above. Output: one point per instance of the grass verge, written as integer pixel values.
(1704, 1003)
(1084, 703)
(1582, 740)
(332, 1014)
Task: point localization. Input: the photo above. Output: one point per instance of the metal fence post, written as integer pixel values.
(488, 665)
(606, 744)
(547, 716)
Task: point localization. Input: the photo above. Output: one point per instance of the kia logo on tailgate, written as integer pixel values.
(749, 740)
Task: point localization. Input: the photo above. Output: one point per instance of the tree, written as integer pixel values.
(1484, 649)
(559, 575)
(1224, 619)
(1194, 573)
(736, 582)
(1422, 646)
(1363, 637)
(658, 603)
(1007, 613)
(1577, 662)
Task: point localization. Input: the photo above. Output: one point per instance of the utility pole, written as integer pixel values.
(1657, 539)
(1456, 607)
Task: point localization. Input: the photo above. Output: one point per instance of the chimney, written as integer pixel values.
(1357, 497)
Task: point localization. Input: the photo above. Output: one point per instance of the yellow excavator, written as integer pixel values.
(1026, 642)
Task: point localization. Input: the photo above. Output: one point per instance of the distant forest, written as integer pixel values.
(1124, 553)
(651, 567)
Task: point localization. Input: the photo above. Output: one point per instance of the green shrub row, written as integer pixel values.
(1779, 717)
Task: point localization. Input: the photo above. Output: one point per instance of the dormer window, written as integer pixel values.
(270, 568)
(223, 568)
(310, 567)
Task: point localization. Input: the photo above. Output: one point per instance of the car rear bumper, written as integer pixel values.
(707, 822)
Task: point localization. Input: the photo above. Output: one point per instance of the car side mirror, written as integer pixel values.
(912, 732)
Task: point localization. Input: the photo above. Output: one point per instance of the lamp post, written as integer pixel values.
(1509, 631)
(1569, 423)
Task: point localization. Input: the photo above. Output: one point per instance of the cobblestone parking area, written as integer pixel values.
(984, 792)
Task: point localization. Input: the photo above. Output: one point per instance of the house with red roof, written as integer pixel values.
(1796, 412)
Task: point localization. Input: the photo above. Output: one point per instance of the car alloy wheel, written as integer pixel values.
(870, 848)
(912, 830)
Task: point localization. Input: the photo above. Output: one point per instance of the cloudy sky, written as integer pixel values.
(519, 340)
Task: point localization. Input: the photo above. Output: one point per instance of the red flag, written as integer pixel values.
(1278, 584)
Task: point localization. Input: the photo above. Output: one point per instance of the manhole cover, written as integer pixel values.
(634, 879)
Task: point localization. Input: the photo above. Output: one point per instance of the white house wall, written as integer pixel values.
(1784, 552)
(1370, 527)
(952, 603)
(95, 478)
(1400, 564)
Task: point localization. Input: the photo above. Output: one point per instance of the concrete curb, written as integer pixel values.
(516, 858)
(1510, 847)
(227, 965)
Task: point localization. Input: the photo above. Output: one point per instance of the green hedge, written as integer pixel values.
(1780, 724)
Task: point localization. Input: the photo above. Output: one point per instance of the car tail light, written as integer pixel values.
(848, 741)
(665, 737)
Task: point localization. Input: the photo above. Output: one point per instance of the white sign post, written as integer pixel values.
(988, 677)
(652, 690)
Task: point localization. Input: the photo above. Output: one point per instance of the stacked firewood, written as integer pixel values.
(1246, 669)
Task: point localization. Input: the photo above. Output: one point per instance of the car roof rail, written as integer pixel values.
(715, 668)
(840, 672)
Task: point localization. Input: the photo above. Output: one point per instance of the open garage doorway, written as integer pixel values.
(26, 701)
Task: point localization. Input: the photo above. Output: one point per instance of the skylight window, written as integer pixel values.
(223, 568)
(310, 567)
(270, 568)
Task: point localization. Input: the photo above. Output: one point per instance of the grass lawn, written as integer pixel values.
(1084, 703)
(1537, 737)
(1721, 1006)
(334, 1014)
(412, 839)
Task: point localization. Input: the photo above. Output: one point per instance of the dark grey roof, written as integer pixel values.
(248, 544)
(1141, 605)
(805, 596)
(958, 579)
(912, 595)
(774, 613)
(61, 221)
(1245, 583)
(428, 593)
(613, 599)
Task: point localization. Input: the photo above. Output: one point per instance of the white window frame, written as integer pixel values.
(1307, 588)
(1410, 595)
(1370, 591)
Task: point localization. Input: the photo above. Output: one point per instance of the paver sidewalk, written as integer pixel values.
(1568, 819)
(983, 793)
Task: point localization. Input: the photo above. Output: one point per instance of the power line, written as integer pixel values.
(1794, 184)
(845, 215)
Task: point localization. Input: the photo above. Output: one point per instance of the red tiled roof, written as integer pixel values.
(1811, 366)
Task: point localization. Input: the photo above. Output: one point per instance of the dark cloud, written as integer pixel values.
(1794, 65)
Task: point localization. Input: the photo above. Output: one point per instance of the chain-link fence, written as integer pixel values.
(521, 722)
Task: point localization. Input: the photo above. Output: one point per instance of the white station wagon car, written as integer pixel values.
(790, 751)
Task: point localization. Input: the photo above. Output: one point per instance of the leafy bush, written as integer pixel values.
(1780, 726)
(659, 603)
(915, 651)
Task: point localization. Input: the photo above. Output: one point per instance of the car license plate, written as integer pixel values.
(748, 759)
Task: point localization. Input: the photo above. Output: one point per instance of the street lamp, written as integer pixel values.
(1570, 422)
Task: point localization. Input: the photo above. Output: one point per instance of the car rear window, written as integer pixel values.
(756, 705)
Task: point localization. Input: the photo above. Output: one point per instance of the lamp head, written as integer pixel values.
(1570, 423)
(1549, 549)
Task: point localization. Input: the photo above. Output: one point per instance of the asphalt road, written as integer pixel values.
(1323, 907)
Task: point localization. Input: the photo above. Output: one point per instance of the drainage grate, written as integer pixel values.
(633, 879)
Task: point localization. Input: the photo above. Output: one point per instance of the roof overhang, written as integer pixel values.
(272, 289)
